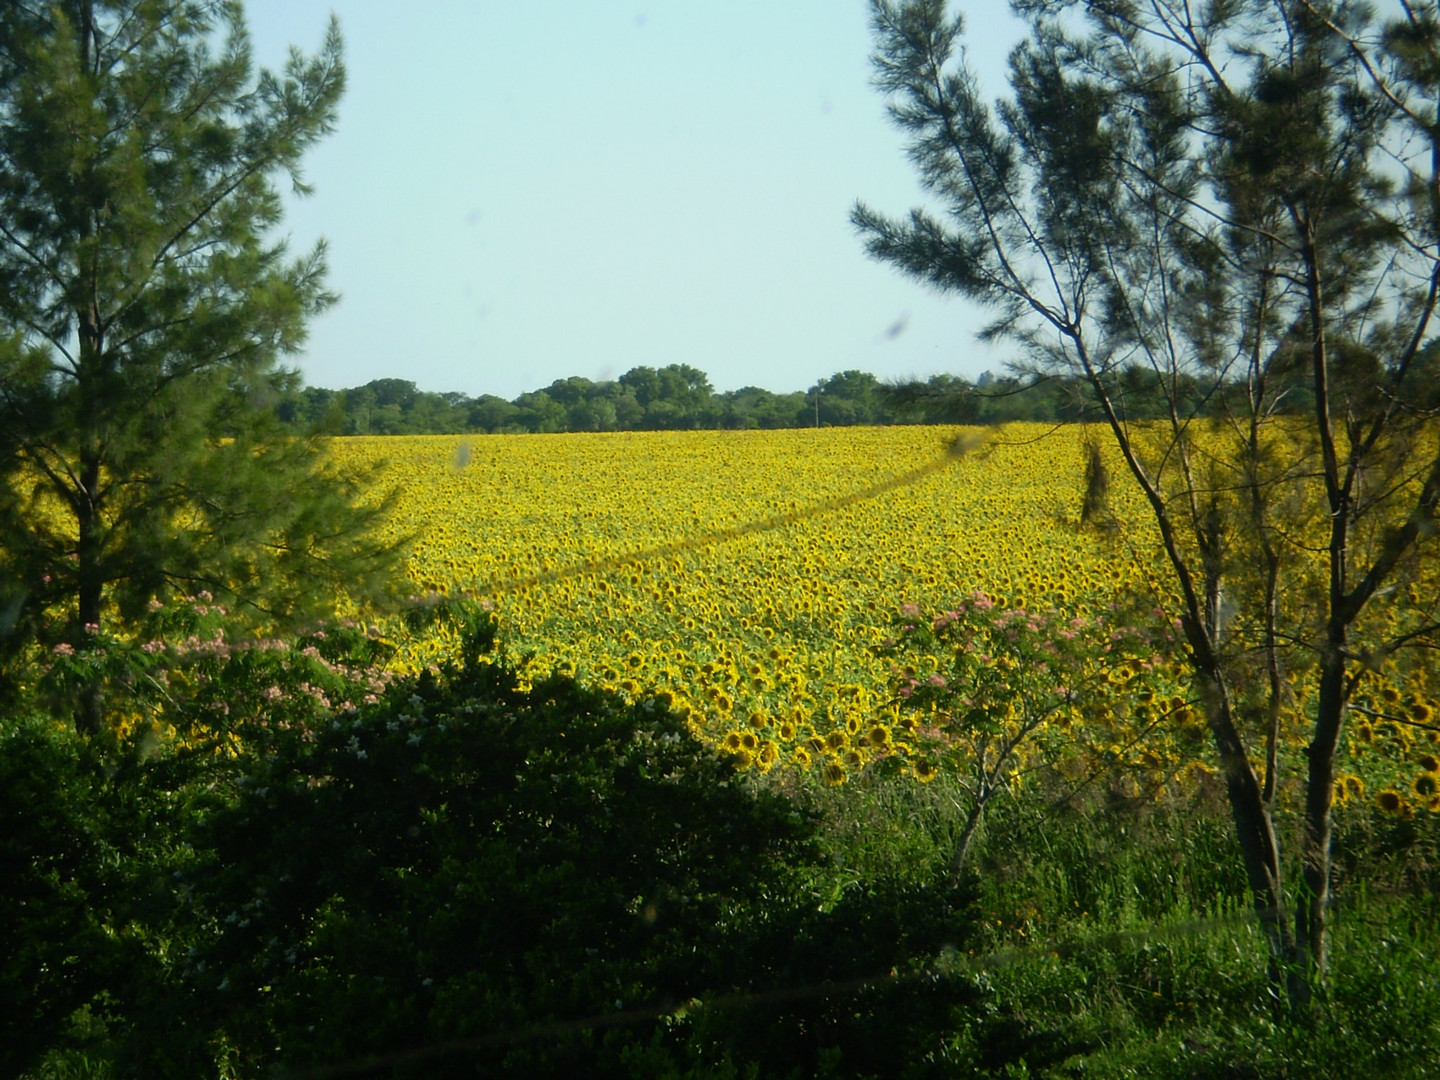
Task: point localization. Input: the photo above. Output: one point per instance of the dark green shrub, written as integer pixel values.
(471, 858)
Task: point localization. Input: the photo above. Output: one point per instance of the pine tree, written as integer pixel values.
(145, 306)
(1236, 203)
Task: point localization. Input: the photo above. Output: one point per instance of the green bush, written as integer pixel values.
(252, 871)
(470, 859)
(468, 873)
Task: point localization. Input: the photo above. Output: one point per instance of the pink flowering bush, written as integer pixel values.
(189, 671)
(989, 693)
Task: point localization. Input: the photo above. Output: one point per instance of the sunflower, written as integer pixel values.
(925, 770)
(878, 736)
(834, 773)
(802, 757)
(1390, 801)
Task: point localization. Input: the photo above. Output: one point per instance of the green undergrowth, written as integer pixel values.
(1116, 938)
(466, 874)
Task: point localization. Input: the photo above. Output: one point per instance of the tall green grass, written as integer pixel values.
(1118, 936)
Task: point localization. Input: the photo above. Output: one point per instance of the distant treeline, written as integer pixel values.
(680, 397)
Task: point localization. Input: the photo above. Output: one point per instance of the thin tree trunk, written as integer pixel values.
(90, 591)
(1311, 914)
(1259, 847)
(967, 839)
(91, 387)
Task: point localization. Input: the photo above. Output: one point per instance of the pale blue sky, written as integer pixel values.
(523, 191)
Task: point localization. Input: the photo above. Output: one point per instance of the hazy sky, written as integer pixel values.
(523, 191)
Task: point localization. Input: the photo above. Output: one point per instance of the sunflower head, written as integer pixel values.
(1390, 801)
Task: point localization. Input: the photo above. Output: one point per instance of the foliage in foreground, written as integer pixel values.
(473, 872)
(456, 866)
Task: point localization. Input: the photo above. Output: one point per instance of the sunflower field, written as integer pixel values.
(889, 642)
(766, 585)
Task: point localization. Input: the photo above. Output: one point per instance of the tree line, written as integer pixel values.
(681, 397)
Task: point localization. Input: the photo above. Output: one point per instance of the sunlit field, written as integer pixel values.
(751, 579)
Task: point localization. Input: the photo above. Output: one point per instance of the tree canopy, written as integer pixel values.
(145, 304)
(577, 404)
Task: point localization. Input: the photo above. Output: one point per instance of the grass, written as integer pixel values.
(1117, 937)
